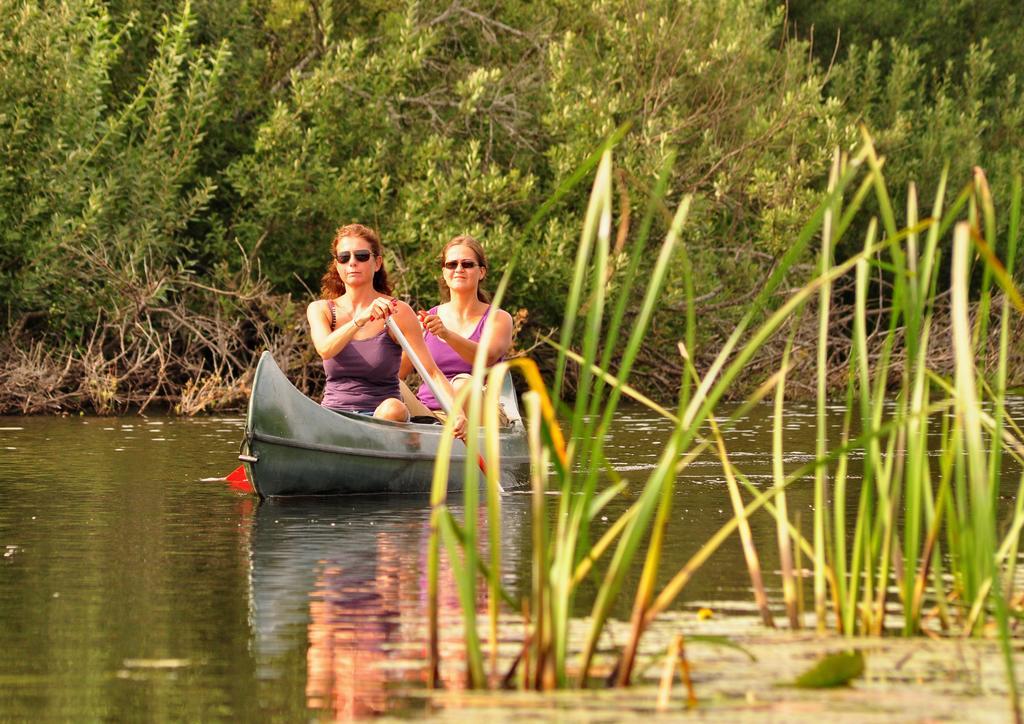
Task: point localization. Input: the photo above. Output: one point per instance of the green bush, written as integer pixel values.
(99, 195)
(168, 165)
(426, 136)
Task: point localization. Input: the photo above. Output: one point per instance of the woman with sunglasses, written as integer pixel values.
(453, 329)
(348, 329)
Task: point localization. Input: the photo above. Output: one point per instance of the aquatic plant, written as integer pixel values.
(925, 529)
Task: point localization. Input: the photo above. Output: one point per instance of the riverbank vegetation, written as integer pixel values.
(908, 535)
(173, 170)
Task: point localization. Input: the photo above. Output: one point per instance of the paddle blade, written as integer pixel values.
(238, 481)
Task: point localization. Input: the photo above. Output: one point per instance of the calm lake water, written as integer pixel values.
(132, 589)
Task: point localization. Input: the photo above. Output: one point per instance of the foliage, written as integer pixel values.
(412, 132)
(426, 137)
(936, 83)
(160, 154)
(912, 507)
(100, 196)
(925, 117)
(942, 31)
(837, 669)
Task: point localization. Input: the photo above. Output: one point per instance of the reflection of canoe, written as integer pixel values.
(293, 446)
(304, 551)
(337, 601)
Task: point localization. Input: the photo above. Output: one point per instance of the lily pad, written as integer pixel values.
(837, 669)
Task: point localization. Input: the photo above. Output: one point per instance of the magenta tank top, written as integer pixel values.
(447, 359)
(363, 374)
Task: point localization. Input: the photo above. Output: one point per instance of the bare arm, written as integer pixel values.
(405, 368)
(329, 343)
(407, 322)
(410, 326)
(500, 343)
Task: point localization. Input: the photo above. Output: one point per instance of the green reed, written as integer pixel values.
(924, 533)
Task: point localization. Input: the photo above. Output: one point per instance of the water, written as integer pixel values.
(130, 588)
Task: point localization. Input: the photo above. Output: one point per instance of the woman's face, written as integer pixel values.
(353, 270)
(462, 276)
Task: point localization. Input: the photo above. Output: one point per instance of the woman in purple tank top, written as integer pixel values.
(348, 330)
(452, 330)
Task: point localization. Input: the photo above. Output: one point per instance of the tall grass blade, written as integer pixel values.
(821, 438)
(596, 241)
(988, 240)
(492, 447)
(917, 479)
(639, 246)
(465, 580)
(540, 634)
(930, 255)
(1013, 237)
(789, 582)
(648, 579)
(636, 528)
(982, 519)
(746, 537)
(438, 495)
(844, 608)
(598, 198)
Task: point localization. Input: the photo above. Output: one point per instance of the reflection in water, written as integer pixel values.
(352, 617)
(116, 550)
(346, 582)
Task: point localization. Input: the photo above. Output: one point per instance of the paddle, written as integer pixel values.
(239, 481)
(445, 403)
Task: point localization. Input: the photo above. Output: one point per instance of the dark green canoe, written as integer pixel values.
(293, 446)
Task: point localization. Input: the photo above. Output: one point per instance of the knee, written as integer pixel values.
(461, 381)
(392, 409)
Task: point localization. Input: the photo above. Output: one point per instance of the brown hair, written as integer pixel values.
(331, 285)
(481, 259)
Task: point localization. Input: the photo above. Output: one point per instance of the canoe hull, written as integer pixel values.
(295, 447)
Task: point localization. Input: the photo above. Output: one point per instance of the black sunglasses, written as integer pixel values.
(361, 255)
(464, 263)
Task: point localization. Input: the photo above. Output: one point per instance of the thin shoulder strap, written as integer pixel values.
(480, 324)
(334, 318)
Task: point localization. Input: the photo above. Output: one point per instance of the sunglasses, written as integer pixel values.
(464, 263)
(361, 255)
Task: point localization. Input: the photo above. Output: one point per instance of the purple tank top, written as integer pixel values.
(363, 374)
(447, 359)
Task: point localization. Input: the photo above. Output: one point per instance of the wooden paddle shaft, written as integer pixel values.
(446, 404)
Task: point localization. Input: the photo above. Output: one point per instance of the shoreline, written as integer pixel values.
(905, 679)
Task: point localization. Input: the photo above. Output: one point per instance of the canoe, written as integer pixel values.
(293, 446)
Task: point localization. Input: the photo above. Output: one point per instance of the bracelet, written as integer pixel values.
(358, 326)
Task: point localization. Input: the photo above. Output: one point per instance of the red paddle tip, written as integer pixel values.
(239, 481)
